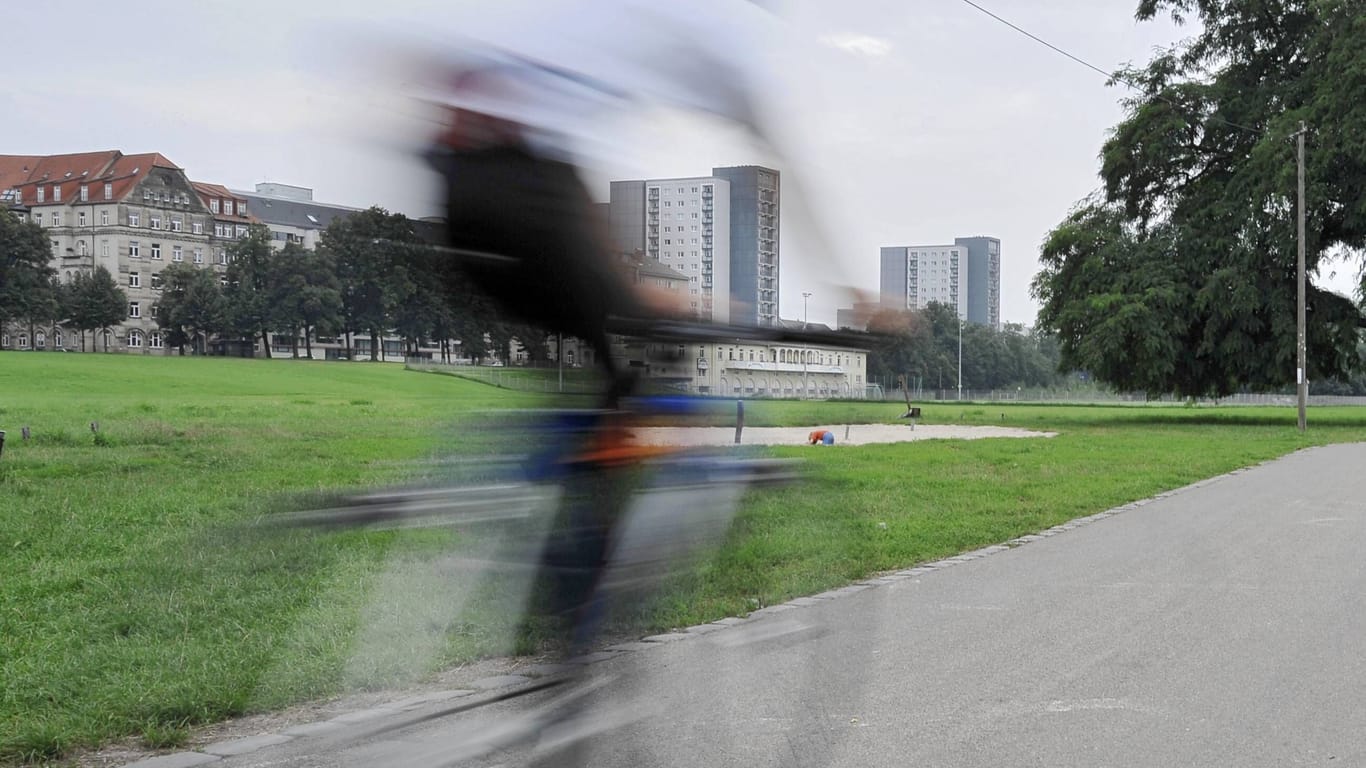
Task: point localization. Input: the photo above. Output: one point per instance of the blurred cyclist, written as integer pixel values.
(523, 110)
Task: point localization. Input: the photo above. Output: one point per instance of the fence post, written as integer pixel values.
(739, 419)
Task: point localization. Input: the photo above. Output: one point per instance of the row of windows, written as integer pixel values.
(41, 195)
(707, 188)
(136, 338)
(809, 356)
(177, 254)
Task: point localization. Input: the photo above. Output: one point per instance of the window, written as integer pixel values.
(56, 193)
(40, 340)
(80, 218)
(156, 221)
(199, 255)
(56, 218)
(134, 310)
(135, 338)
(41, 193)
(241, 207)
(134, 280)
(85, 193)
(154, 341)
(104, 218)
(133, 250)
(133, 217)
(23, 341)
(108, 191)
(57, 339)
(80, 247)
(175, 224)
(241, 231)
(146, 194)
(217, 230)
(156, 250)
(222, 257)
(156, 310)
(156, 284)
(227, 207)
(176, 254)
(197, 227)
(213, 205)
(104, 248)
(38, 219)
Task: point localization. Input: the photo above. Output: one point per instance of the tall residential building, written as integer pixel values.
(755, 199)
(915, 276)
(685, 225)
(132, 215)
(984, 279)
(965, 276)
(728, 236)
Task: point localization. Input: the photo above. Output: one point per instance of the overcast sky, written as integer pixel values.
(905, 121)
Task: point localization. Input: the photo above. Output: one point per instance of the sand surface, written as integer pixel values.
(853, 434)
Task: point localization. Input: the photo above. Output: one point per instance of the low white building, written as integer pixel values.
(746, 368)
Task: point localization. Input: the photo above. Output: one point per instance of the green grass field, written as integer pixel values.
(132, 604)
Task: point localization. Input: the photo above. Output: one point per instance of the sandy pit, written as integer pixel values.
(851, 434)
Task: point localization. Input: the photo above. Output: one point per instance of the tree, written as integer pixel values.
(248, 296)
(371, 248)
(96, 303)
(305, 293)
(26, 292)
(1180, 277)
(192, 306)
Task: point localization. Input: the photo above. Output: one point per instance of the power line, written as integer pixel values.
(1109, 75)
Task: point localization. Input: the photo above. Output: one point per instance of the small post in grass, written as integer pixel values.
(24, 433)
(739, 419)
(2, 442)
(95, 427)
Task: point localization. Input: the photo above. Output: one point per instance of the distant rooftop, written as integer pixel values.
(284, 191)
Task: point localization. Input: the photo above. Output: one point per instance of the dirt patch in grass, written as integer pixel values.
(845, 434)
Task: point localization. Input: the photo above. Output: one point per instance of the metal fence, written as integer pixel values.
(1097, 397)
(574, 381)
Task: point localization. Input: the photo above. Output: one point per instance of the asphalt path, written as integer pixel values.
(1221, 625)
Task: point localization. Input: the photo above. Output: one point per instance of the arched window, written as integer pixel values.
(135, 338)
(40, 340)
(57, 339)
(23, 341)
(154, 340)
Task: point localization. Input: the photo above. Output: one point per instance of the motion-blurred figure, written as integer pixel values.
(524, 110)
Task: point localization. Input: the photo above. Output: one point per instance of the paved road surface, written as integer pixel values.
(1223, 625)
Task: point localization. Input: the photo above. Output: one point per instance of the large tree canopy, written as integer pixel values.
(1180, 277)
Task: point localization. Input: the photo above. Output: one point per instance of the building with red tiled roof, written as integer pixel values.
(132, 215)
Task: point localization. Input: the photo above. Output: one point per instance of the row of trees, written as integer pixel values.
(32, 295)
(922, 345)
(370, 277)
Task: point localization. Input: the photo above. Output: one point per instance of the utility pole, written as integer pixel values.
(805, 352)
(1301, 377)
(960, 355)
